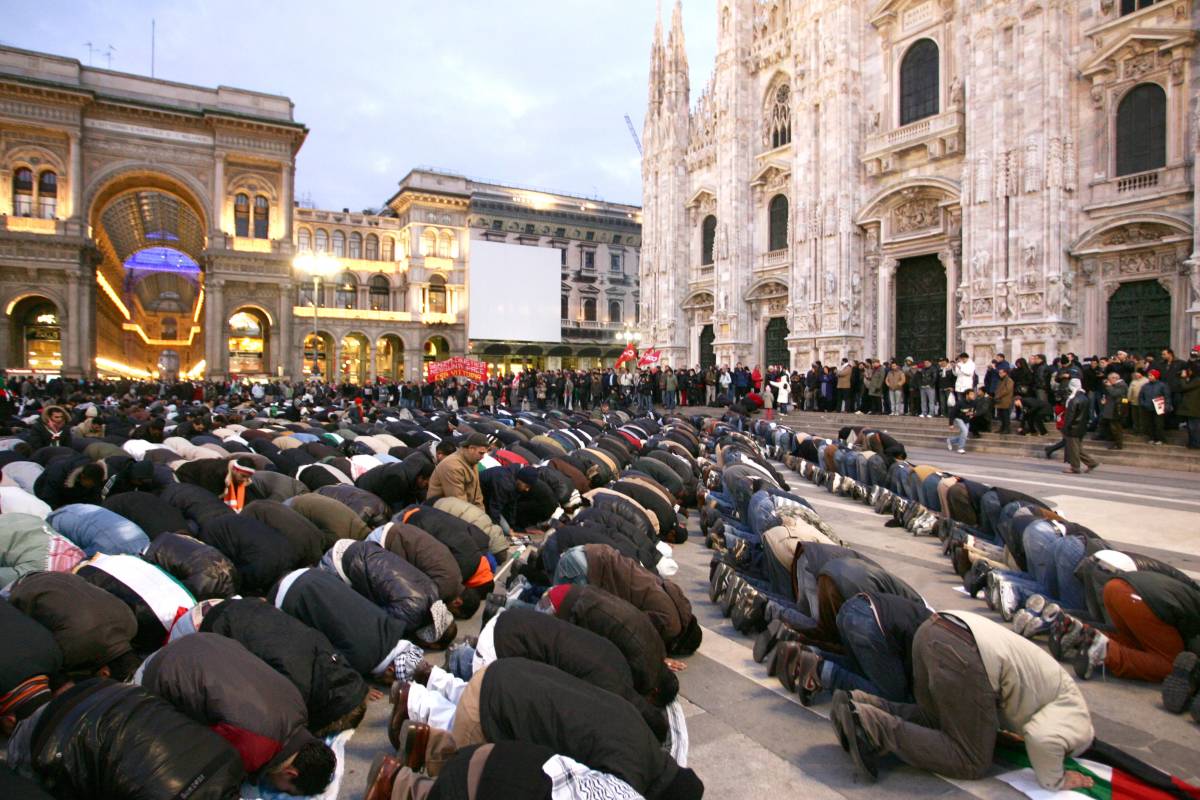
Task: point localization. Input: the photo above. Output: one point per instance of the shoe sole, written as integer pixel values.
(840, 716)
(1180, 686)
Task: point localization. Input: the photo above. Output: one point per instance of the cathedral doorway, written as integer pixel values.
(920, 308)
(1139, 318)
(775, 350)
(708, 358)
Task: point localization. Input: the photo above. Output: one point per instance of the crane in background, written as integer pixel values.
(633, 132)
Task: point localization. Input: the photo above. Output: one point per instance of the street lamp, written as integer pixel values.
(630, 337)
(317, 266)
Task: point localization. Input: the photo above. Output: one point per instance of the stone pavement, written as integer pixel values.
(750, 739)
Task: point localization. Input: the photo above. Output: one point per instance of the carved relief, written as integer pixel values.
(981, 272)
(915, 215)
(1132, 234)
(1137, 66)
(1033, 166)
(1029, 265)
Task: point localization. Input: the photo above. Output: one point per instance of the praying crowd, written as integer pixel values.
(205, 585)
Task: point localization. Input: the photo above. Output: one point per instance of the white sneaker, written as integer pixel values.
(1007, 600)
(961, 450)
(949, 446)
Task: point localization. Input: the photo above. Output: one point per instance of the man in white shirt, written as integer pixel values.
(964, 375)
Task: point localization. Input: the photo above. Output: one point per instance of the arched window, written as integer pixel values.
(372, 247)
(347, 291)
(380, 294)
(779, 117)
(429, 243)
(262, 217)
(437, 294)
(1142, 129)
(23, 192)
(566, 304)
(304, 242)
(614, 311)
(322, 241)
(241, 215)
(389, 248)
(708, 239)
(47, 194)
(356, 245)
(339, 244)
(777, 223)
(919, 82)
(444, 245)
(589, 309)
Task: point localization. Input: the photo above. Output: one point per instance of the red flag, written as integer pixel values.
(649, 358)
(629, 354)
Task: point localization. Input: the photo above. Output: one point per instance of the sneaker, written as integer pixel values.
(1181, 685)
(1006, 599)
(1024, 622)
(950, 445)
(1093, 650)
(1065, 635)
(1035, 603)
(961, 450)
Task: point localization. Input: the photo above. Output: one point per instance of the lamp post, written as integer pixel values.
(316, 266)
(631, 336)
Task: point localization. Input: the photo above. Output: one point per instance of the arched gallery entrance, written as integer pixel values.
(248, 342)
(389, 357)
(35, 338)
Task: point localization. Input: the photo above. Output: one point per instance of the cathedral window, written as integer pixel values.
(1142, 129)
(356, 245)
(919, 82)
(777, 223)
(23, 192)
(708, 238)
(1130, 6)
(779, 117)
(47, 194)
(241, 215)
(262, 217)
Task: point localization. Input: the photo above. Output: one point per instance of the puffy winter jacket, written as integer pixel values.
(474, 516)
(306, 537)
(425, 553)
(276, 486)
(335, 519)
(37, 653)
(204, 570)
(627, 524)
(197, 505)
(384, 578)
(372, 510)
(622, 624)
(155, 598)
(396, 484)
(95, 529)
(260, 553)
(330, 686)
(59, 484)
(91, 626)
(468, 543)
(103, 740)
(661, 600)
(27, 544)
(148, 511)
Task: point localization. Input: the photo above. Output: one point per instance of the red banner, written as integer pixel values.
(457, 367)
(629, 354)
(649, 358)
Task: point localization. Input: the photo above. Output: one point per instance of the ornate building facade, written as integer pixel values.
(149, 227)
(919, 177)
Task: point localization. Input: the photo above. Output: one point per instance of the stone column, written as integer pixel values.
(284, 356)
(283, 227)
(218, 195)
(76, 176)
(947, 259)
(886, 308)
(70, 356)
(84, 325)
(214, 352)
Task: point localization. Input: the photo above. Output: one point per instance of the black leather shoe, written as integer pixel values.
(975, 580)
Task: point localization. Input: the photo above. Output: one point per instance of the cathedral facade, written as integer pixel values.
(878, 178)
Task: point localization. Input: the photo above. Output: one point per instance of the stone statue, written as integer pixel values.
(723, 241)
(1054, 295)
(956, 93)
(964, 306)
(1068, 287)
(830, 283)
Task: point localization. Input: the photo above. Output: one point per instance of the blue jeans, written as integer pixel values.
(874, 663)
(668, 398)
(928, 400)
(898, 480)
(928, 493)
(1193, 429)
(1051, 560)
(959, 442)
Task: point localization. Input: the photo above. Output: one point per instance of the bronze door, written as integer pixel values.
(920, 309)
(1139, 318)
(775, 349)
(707, 357)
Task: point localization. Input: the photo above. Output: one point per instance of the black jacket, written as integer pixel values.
(306, 538)
(622, 624)
(527, 701)
(426, 554)
(196, 504)
(103, 740)
(899, 618)
(217, 681)
(203, 569)
(360, 630)
(500, 495)
(1075, 417)
(31, 651)
(58, 484)
(260, 553)
(370, 509)
(331, 688)
(148, 511)
(467, 542)
(387, 580)
(396, 484)
(1173, 601)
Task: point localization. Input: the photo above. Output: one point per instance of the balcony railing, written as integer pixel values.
(592, 325)
(944, 126)
(1132, 183)
(774, 258)
(1140, 187)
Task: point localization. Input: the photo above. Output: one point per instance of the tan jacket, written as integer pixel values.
(895, 379)
(1004, 393)
(844, 375)
(454, 477)
(1037, 698)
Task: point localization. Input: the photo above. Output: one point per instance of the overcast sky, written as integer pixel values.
(532, 92)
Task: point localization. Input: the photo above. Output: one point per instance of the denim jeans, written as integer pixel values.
(1193, 430)
(572, 567)
(929, 492)
(896, 398)
(898, 480)
(928, 400)
(1051, 560)
(959, 442)
(668, 398)
(876, 660)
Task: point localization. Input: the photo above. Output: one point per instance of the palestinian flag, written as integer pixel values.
(1116, 775)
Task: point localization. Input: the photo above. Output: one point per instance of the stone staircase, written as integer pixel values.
(932, 433)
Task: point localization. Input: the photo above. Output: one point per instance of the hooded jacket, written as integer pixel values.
(330, 686)
(59, 483)
(215, 680)
(623, 625)
(384, 578)
(91, 626)
(204, 570)
(103, 740)
(41, 436)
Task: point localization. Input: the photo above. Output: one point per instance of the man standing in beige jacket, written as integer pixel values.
(457, 475)
(971, 678)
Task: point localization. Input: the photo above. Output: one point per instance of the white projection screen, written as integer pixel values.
(515, 292)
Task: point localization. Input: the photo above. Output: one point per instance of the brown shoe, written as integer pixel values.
(413, 741)
(807, 675)
(784, 664)
(399, 712)
(381, 777)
